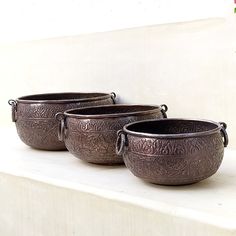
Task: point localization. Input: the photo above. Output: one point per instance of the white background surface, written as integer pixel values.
(76, 198)
(33, 19)
(189, 66)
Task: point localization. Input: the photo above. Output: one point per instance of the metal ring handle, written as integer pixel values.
(224, 133)
(120, 143)
(62, 126)
(13, 104)
(164, 109)
(113, 97)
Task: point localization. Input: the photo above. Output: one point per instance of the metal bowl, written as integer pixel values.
(172, 151)
(34, 115)
(90, 133)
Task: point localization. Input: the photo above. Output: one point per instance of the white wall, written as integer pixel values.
(189, 66)
(33, 19)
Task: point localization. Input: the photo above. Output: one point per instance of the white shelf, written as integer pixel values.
(106, 200)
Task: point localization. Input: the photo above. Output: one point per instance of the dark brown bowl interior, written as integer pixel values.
(61, 96)
(172, 126)
(111, 110)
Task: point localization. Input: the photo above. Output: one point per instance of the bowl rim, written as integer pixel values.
(150, 109)
(172, 136)
(100, 96)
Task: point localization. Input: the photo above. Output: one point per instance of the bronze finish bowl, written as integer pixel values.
(172, 151)
(90, 133)
(34, 115)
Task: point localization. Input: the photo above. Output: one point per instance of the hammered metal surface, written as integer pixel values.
(174, 151)
(36, 124)
(94, 140)
(174, 161)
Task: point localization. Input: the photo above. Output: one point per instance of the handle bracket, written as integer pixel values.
(13, 104)
(224, 133)
(61, 117)
(164, 109)
(113, 97)
(121, 142)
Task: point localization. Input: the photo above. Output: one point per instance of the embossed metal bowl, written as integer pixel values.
(90, 133)
(172, 151)
(34, 115)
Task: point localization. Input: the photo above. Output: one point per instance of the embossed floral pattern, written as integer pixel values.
(37, 126)
(174, 161)
(94, 140)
